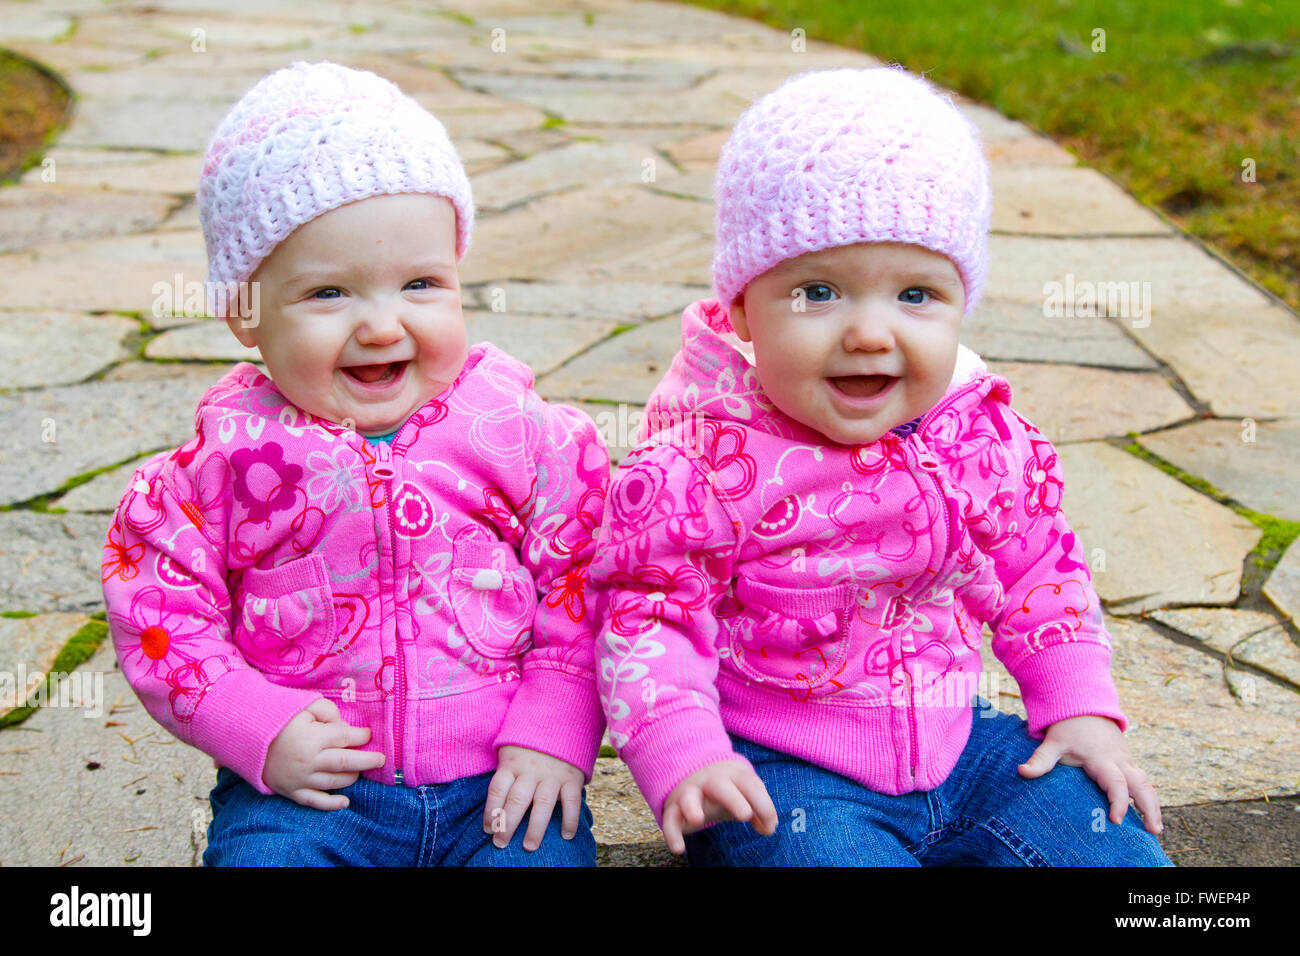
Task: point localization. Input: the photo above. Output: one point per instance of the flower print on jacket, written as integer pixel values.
(765, 582)
(1043, 488)
(658, 595)
(437, 597)
(722, 447)
(264, 482)
(501, 513)
(334, 480)
(121, 561)
(159, 644)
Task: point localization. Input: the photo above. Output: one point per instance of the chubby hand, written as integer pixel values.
(1097, 745)
(527, 778)
(724, 790)
(313, 753)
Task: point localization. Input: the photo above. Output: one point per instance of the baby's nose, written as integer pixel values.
(380, 325)
(868, 329)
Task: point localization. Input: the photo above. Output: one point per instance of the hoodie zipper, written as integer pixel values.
(931, 467)
(892, 620)
(384, 469)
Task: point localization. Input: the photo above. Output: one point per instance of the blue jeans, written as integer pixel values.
(983, 814)
(435, 825)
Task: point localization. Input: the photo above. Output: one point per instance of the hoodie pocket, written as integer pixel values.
(793, 638)
(284, 617)
(493, 598)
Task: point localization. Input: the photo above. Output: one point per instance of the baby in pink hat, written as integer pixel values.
(360, 587)
(830, 498)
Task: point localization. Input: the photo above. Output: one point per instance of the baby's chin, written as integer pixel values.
(853, 437)
(840, 431)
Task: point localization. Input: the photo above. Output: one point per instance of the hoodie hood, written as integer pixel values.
(714, 376)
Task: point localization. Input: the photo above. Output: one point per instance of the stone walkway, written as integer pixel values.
(591, 131)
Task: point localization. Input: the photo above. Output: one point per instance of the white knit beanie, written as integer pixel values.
(307, 139)
(837, 157)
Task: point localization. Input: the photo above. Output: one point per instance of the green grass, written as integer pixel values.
(77, 651)
(1182, 95)
(456, 15)
(32, 110)
(73, 25)
(41, 503)
(1279, 533)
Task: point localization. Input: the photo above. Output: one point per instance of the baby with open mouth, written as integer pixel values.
(360, 587)
(829, 498)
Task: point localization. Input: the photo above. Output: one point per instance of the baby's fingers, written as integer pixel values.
(765, 818)
(571, 814)
(1145, 799)
(346, 735)
(1042, 760)
(539, 817)
(1110, 778)
(516, 805)
(340, 760)
(494, 812)
(673, 828)
(727, 796)
(691, 805)
(321, 801)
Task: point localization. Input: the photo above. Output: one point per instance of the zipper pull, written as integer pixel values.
(397, 778)
(384, 464)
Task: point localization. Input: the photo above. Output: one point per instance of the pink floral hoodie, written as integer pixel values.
(433, 589)
(827, 600)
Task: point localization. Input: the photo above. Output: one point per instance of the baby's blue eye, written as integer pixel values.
(818, 292)
(320, 293)
(914, 296)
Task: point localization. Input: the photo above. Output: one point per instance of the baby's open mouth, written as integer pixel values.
(861, 386)
(375, 374)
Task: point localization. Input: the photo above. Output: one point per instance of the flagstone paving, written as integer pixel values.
(591, 129)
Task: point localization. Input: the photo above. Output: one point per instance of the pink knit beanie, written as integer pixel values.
(838, 157)
(307, 139)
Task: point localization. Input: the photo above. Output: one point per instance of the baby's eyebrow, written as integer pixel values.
(933, 278)
(337, 275)
(307, 278)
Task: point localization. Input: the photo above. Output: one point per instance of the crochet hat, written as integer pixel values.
(838, 157)
(307, 139)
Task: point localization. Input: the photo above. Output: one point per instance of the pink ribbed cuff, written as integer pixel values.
(555, 713)
(1067, 680)
(669, 749)
(261, 709)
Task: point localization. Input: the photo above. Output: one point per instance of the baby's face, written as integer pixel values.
(360, 311)
(874, 346)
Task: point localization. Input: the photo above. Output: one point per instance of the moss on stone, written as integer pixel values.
(77, 651)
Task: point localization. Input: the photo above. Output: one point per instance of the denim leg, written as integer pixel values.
(462, 842)
(823, 819)
(380, 827)
(987, 814)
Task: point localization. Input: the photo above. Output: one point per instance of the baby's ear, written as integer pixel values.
(737, 315)
(242, 318)
(243, 329)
